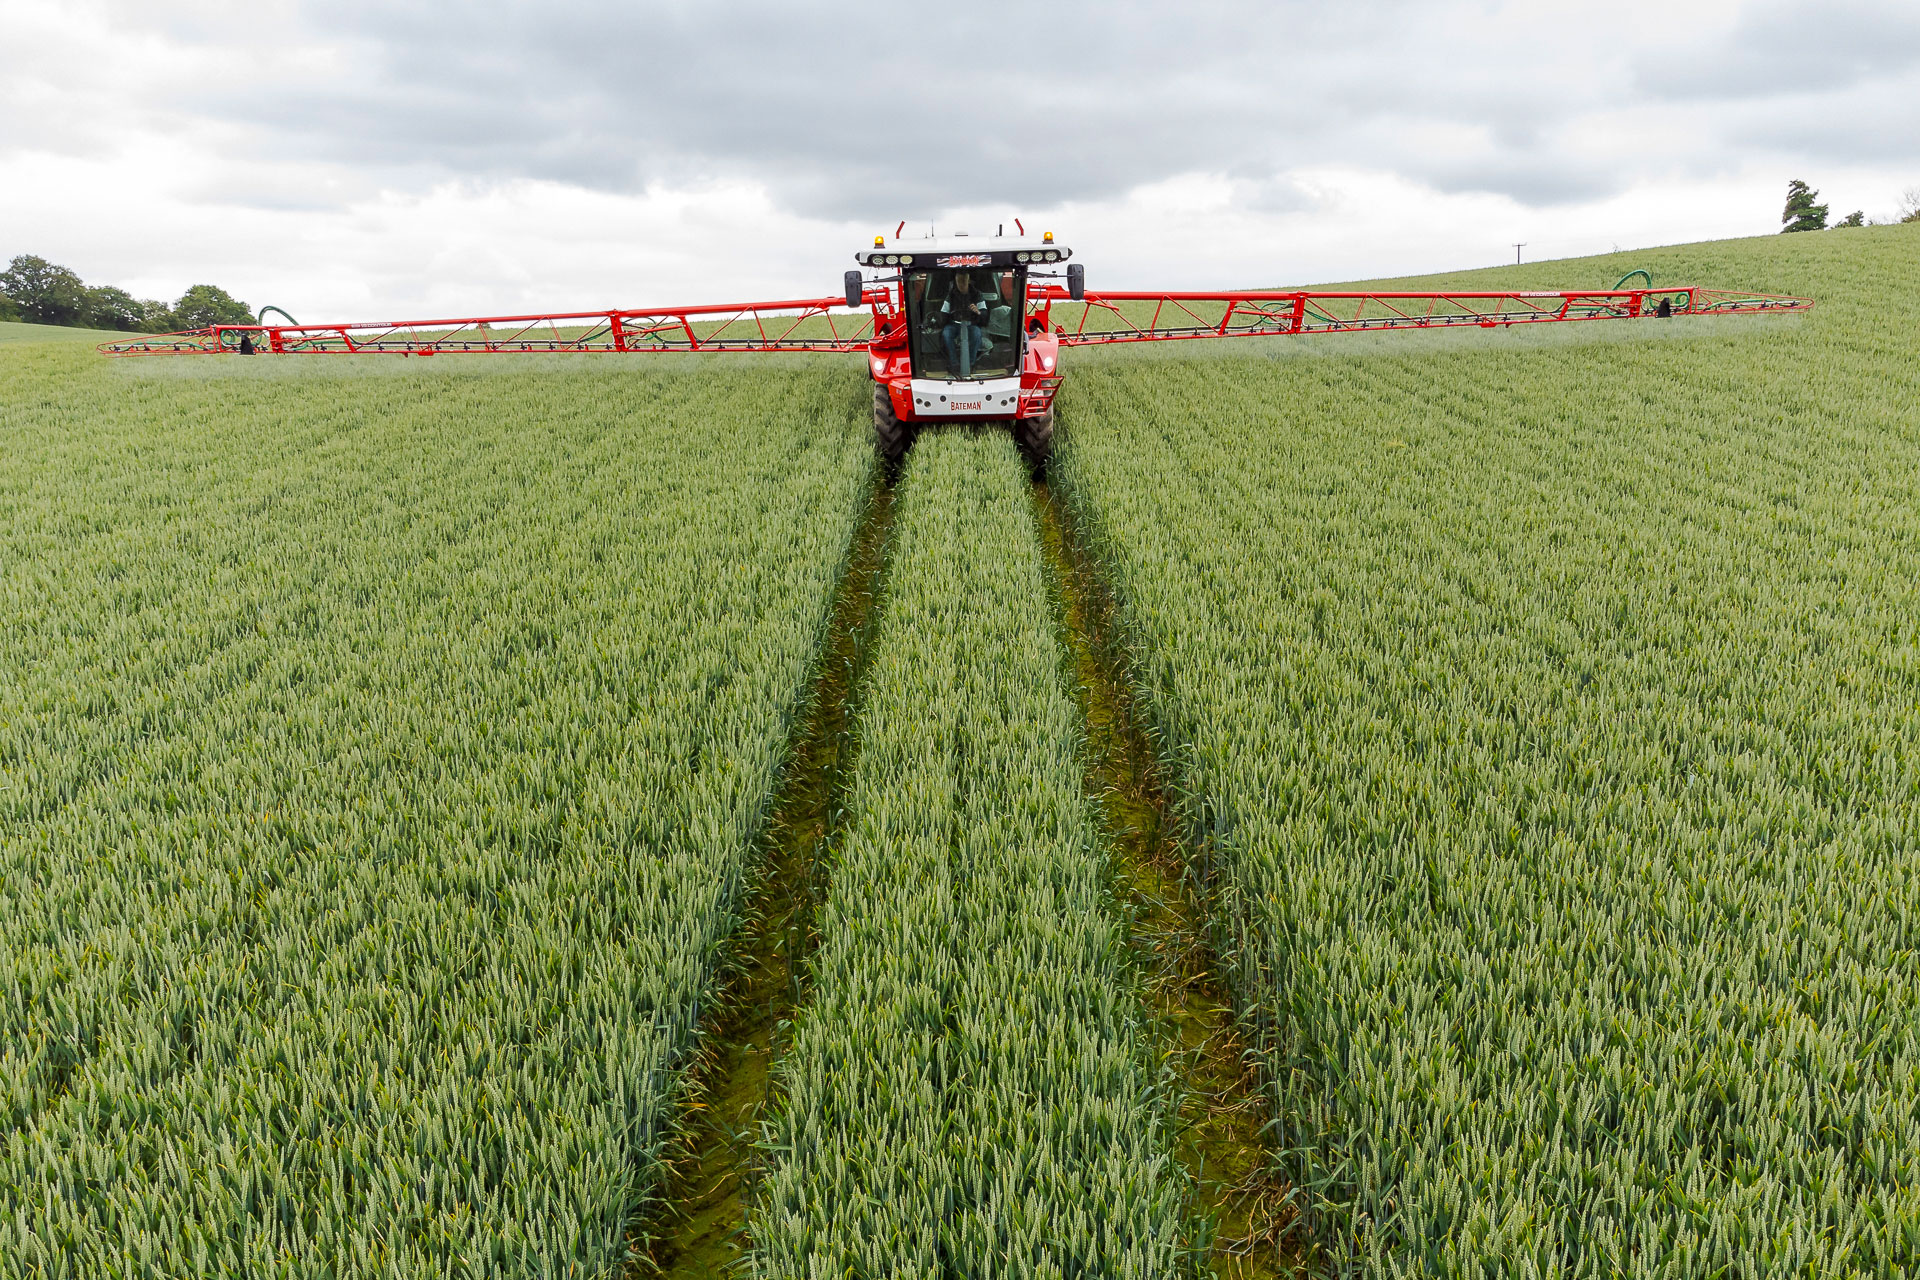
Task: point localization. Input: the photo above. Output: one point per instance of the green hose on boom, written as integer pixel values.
(1616, 284)
(281, 312)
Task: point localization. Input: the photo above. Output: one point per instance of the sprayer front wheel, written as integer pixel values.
(1035, 438)
(891, 437)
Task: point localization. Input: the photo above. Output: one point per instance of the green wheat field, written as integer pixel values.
(386, 748)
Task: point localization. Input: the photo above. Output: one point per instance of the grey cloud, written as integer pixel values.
(878, 109)
(869, 110)
(1279, 194)
(1786, 48)
(1870, 123)
(1534, 179)
(1836, 82)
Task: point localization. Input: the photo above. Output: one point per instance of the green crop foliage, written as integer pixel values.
(1546, 710)
(383, 747)
(966, 1094)
(13, 331)
(381, 754)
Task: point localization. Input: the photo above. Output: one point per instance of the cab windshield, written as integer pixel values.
(966, 323)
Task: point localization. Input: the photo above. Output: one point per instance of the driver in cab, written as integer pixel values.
(963, 333)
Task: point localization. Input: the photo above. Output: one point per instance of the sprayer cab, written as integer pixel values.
(962, 337)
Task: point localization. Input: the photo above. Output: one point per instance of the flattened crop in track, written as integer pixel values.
(967, 1092)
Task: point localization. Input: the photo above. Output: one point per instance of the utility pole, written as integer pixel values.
(1516, 252)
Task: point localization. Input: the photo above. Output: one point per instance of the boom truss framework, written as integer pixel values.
(828, 324)
(1166, 317)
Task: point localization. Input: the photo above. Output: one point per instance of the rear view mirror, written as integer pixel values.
(856, 285)
(1076, 280)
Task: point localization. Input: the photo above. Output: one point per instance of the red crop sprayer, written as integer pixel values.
(961, 327)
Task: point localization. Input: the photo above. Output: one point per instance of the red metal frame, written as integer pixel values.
(829, 325)
(1169, 317)
(825, 324)
(728, 326)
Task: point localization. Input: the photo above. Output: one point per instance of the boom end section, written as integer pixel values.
(186, 342)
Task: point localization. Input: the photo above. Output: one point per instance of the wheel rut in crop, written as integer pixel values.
(694, 1227)
(1251, 1229)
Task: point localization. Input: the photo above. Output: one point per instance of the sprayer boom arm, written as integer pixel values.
(795, 324)
(828, 324)
(1168, 317)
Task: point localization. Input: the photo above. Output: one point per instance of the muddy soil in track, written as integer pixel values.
(1251, 1229)
(695, 1229)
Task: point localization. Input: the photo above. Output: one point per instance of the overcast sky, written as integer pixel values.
(381, 160)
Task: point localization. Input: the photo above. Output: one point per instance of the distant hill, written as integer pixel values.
(13, 331)
(1810, 263)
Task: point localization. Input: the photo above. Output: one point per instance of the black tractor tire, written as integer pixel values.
(891, 437)
(1035, 438)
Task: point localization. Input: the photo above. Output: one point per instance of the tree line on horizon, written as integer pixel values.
(40, 292)
(1804, 212)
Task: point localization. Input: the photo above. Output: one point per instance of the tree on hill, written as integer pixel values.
(1910, 205)
(44, 292)
(111, 308)
(1858, 218)
(1802, 214)
(207, 304)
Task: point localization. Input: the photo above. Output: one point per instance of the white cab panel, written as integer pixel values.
(987, 398)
